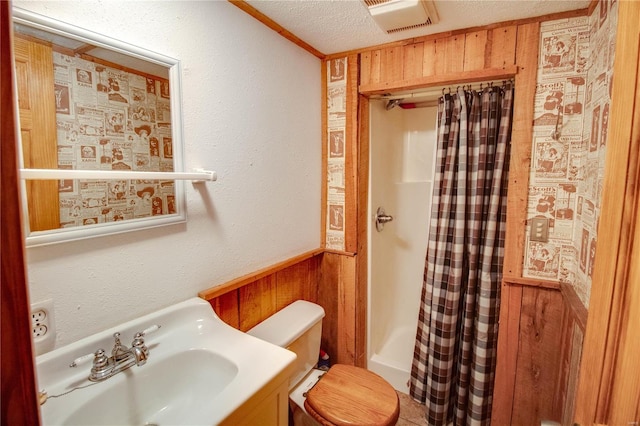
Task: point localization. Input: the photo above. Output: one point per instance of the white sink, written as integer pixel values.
(200, 371)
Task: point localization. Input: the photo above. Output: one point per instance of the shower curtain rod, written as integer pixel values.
(429, 96)
(436, 92)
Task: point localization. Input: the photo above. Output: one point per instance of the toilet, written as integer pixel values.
(344, 395)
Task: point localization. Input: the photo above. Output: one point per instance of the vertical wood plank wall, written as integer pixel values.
(320, 277)
(265, 293)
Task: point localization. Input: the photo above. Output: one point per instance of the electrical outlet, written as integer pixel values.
(42, 326)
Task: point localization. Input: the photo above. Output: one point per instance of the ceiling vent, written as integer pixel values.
(399, 15)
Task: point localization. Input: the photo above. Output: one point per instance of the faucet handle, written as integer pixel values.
(138, 340)
(82, 359)
(149, 330)
(139, 348)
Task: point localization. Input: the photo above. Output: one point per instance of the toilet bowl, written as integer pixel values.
(343, 395)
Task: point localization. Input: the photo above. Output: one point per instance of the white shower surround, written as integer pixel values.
(251, 111)
(401, 177)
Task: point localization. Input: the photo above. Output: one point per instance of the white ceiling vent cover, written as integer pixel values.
(400, 15)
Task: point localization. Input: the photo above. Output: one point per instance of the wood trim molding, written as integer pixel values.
(325, 153)
(613, 262)
(441, 79)
(532, 282)
(219, 290)
(255, 13)
(351, 156)
(364, 221)
(528, 38)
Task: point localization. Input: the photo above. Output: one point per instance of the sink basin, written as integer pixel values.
(199, 371)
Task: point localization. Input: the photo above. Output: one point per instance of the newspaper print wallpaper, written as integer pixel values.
(109, 119)
(336, 126)
(571, 120)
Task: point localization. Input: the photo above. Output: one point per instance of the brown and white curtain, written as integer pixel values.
(455, 352)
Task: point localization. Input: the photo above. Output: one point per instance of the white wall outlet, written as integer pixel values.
(43, 326)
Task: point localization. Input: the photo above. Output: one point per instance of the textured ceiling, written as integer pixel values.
(333, 26)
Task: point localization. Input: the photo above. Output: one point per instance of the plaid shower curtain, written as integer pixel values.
(455, 352)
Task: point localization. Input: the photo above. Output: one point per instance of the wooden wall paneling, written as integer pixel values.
(502, 46)
(572, 329)
(34, 64)
(560, 392)
(392, 63)
(19, 398)
(220, 289)
(364, 221)
(351, 157)
(347, 311)
(226, 307)
(573, 302)
(245, 306)
(507, 353)
(413, 59)
(568, 409)
(376, 60)
(429, 58)
(511, 297)
(453, 79)
(370, 66)
(521, 139)
(291, 283)
(337, 295)
(450, 54)
(257, 301)
(365, 67)
(610, 279)
(538, 355)
(328, 299)
(475, 46)
(310, 289)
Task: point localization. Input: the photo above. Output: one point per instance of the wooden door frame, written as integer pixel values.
(612, 279)
(19, 398)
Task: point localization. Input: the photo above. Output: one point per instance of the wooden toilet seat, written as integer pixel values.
(348, 395)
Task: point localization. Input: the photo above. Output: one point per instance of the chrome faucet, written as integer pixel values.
(121, 357)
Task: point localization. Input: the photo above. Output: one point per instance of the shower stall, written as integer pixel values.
(402, 157)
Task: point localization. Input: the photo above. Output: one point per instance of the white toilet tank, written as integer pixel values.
(297, 327)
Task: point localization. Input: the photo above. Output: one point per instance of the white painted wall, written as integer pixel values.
(251, 110)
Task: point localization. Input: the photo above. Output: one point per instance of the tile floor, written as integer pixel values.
(411, 412)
